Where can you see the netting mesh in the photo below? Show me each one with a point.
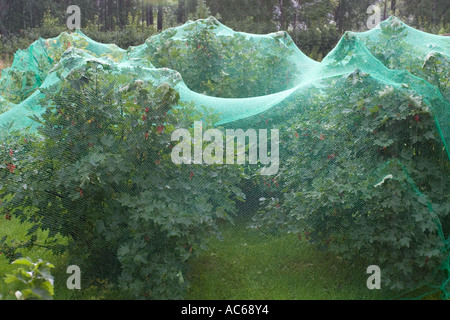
(363, 162)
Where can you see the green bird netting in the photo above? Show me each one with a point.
(349, 154)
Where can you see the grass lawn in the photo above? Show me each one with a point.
(251, 265)
(247, 264)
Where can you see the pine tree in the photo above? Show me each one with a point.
(202, 11)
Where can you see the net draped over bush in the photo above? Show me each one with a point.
(364, 159)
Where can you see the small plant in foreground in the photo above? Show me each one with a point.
(35, 276)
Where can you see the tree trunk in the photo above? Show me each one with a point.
(31, 14)
(111, 14)
(180, 11)
(3, 10)
(160, 17)
(295, 20)
(434, 12)
(149, 15)
(143, 14)
(121, 12)
(128, 7)
(393, 6)
(280, 3)
(385, 10)
(105, 15)
(23, 16)
(338, 16)
(294, 26)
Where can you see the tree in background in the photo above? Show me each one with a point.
(430, 15)
(316, 26)
(202, 11)
(259, 16)
(4, 6)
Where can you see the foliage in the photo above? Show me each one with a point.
(426, 15)
(11, 249)
(24, 21)
(202, 11)
(250, 24)
(228, 67)
(24, 77)
(436, 70)
(253, 16)
(29, 14)
(51, 25)
(36, 278)
(316, 42)
(141, 216)
(397, 53)
(130, 34)
(394, 35)
(365, 176)
(4, 105)
(18, 85)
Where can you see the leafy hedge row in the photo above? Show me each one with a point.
(227, 67)
(365, 175)
(363, 170)
(102, 175)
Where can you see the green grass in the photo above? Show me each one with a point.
(247, 264)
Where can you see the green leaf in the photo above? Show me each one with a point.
(10, 278)
(374, 109)
(25, 262)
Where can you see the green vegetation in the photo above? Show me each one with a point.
(127, 202)
(243, 265)
(226, 67)
(87, 175)
(35, 277)
(315, 26)
(16, 233)
(246, 265)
